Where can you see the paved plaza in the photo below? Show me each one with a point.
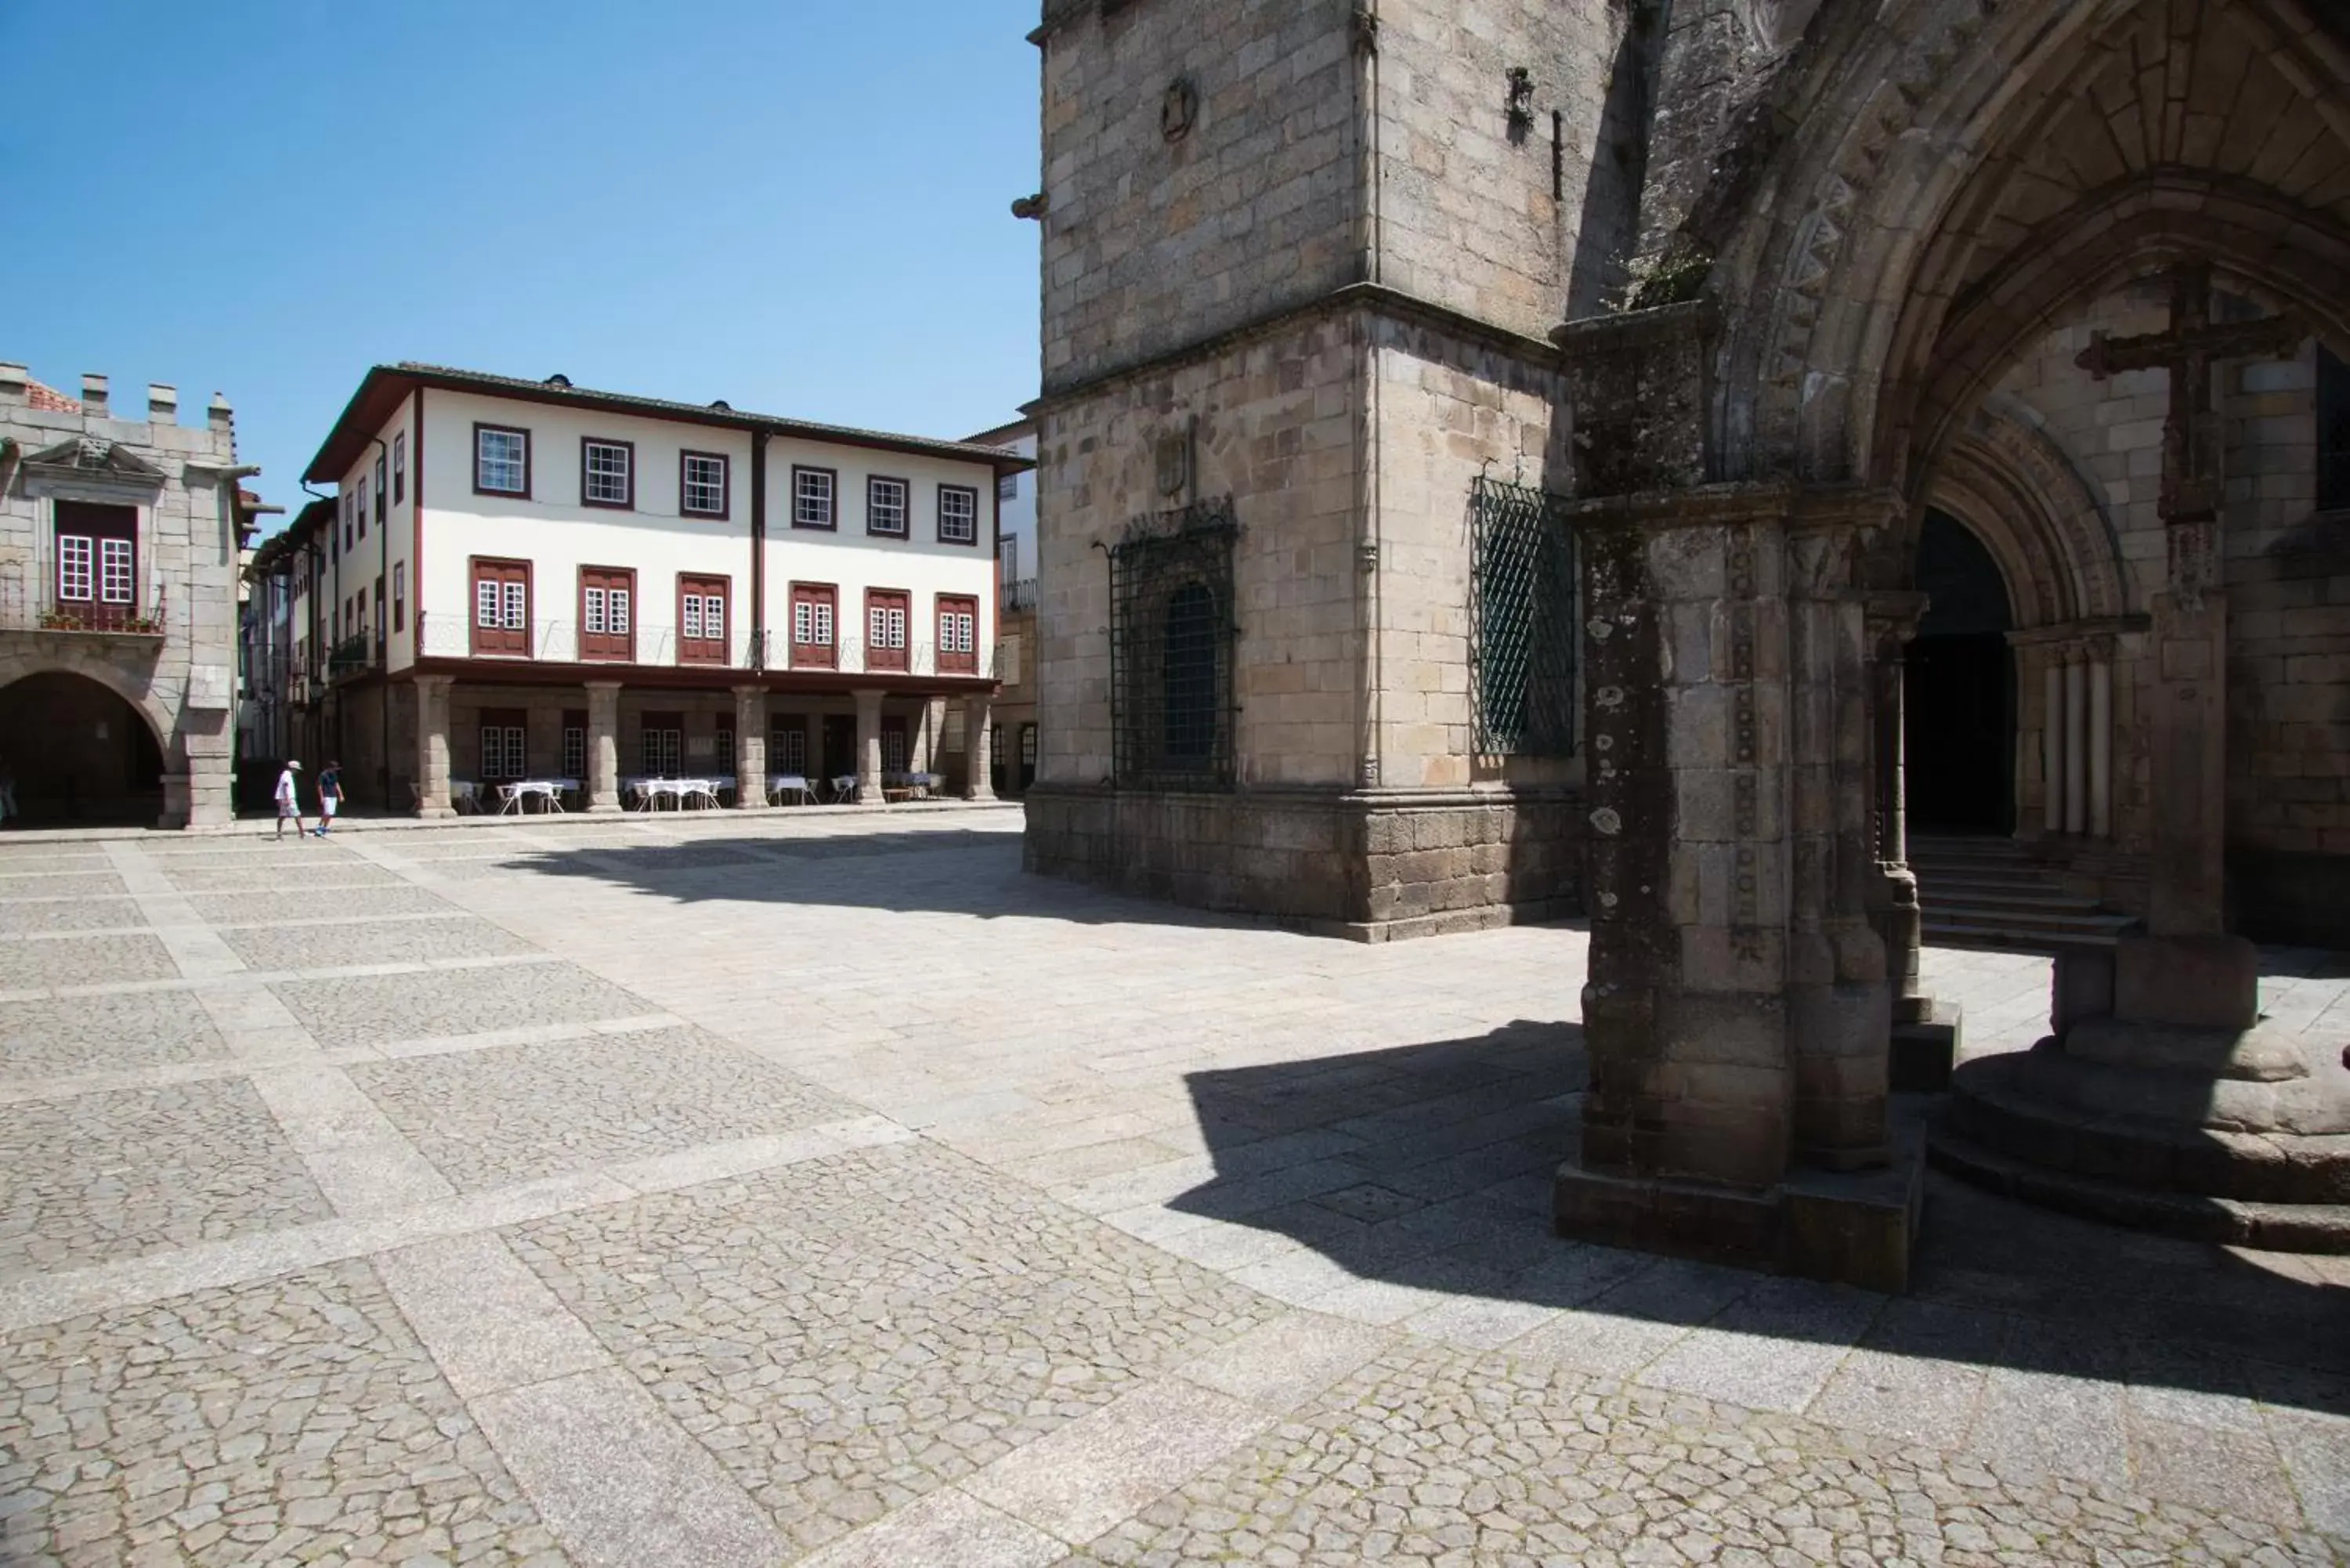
(818, 1187)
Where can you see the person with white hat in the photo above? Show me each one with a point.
(290, 799)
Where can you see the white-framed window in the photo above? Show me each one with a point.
(958, 626)
(1007, 487)
(662, 751)
(815, 497)
(115, 582)
(958, 514)
(812, 622)
(702, 484)
(504, 755)
(501, 461)
(787, 750)
(606, 472)
(76, 579)
(606, 611)
(886, 502)
(888, 627)
(363, 506)
(574, 751)
(704, 617)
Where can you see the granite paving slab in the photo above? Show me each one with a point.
(368, 1010)
(318, 903)
(105, 1034)
(1429, 1456)
(30, 962)
(506, 1113)
(371, 942)
(128, 1172)
(856, 1331)
(295, 1421)
(62, 885)
(27, 918)
(246, 879)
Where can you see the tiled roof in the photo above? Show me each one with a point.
(50, 399)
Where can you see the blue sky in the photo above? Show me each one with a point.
(801, 207)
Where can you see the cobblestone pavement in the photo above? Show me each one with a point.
(815, 1186)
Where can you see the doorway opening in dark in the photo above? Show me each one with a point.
(1960, 693)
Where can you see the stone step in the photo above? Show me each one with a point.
(2223, 1221)
(2029, 914)
(2009, 938)
(1951, 895)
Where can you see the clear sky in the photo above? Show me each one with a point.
(799, 206)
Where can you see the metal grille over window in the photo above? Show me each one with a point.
(1171, 636)
(1522, 615)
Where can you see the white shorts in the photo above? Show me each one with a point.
(327, 808)
(287, 808)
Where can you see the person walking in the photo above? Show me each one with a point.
(289, 798)
(330, 796)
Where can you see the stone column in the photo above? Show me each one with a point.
(2052, 741)
(2101, 739)
(978, 749)
(433, 746)
(209, 741)
(2076, 740)
(2190, 766)
(1892, 624)
(868, 747)
(603, 746)
(750, 757)
(934, 741)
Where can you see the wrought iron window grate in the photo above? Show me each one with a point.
(1522, 611)
(1171, 635)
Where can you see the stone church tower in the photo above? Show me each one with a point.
(1301, 263)
(1509, 456)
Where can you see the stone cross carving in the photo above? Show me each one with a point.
(2192, 435)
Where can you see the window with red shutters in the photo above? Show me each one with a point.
(608, 614)
(813, 646)
(501, 609)
(885, 614)
(958, 635)
(702, 617)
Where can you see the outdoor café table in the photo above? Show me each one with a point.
(465, 795)
(679, 792)
(844, 788)
(782, 784)
(549, 792)
(906, 786)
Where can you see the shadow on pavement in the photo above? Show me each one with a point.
(1429, 1167)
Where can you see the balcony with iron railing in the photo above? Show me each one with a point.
(1019, 595)
(657, 645)
(81, 617)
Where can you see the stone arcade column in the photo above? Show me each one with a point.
(433, 746)
(2052, 730)
(1737, 1011)
(1925, 1034)
(603, 746)
(868, 747)
(978, 748)
(750, 747)
(2101, 738)
(2076, 740)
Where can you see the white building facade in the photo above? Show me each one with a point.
(528, 580)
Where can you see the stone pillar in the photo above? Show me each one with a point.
(750, 757)
(2076, 740)
(210, 742)
(433, 746)
(2190, 766)
(978, 748)
(2101, 739)
(934, 739)
(1892, 623)
(868, 747)
(603, 746)
(2052, 741)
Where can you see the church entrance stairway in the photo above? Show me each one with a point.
(1987, 891)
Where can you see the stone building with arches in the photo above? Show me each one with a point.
(119, 559)
(1866, 355)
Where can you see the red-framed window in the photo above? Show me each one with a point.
(815, 497)
(608, 613)
(399, 596)
(813, 607)
(608, 472)
(506, 752)
(702, 619)
(702, 484)
(886, 611)
(958, 635)
(98, 558)
(501, 608)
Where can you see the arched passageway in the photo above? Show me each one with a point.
(1961, 700)
(80, 753)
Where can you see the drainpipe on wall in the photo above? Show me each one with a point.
(1371, 663)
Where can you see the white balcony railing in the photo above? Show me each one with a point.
(558, 642)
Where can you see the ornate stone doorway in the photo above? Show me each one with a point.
(78, 753)
(1960, 687)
